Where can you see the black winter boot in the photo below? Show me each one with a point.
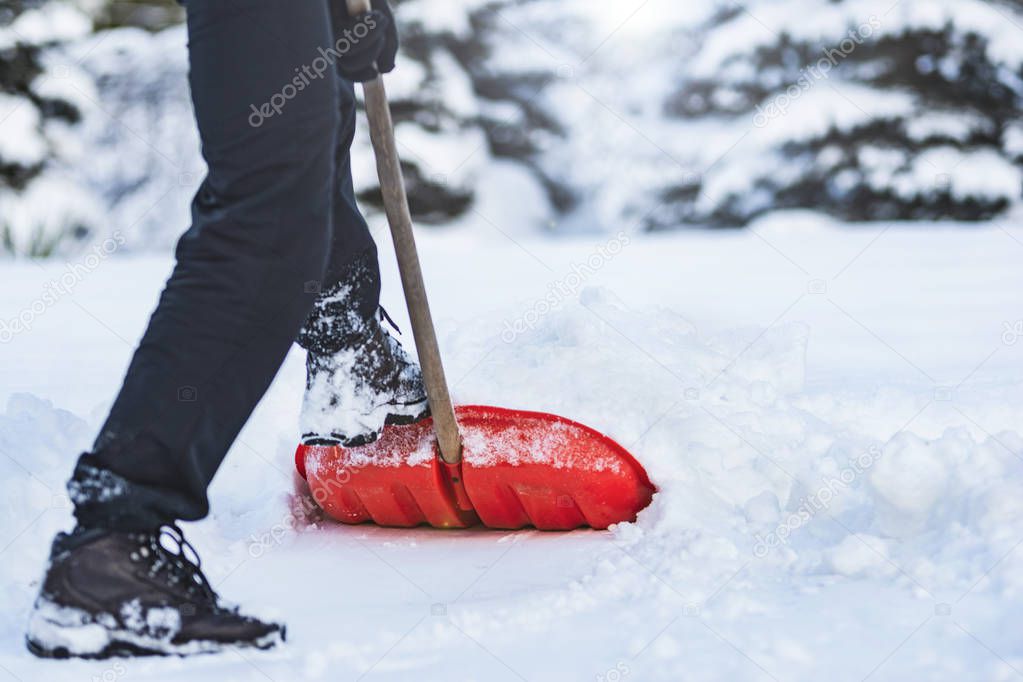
(111, 593)
(353, 393)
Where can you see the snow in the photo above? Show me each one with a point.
(53, 21)
(54, 204)
(763, 21)
(981, 173)
(552, 445)
(955, 126)
(55, 208)
(444, 155)
(21, 141)
(139, 132)
(442, 15)
(831, 414)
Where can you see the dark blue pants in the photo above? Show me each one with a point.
(274, 227)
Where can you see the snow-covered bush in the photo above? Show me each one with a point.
(43, 208)
(658, 113)
(437, 116)
(144, 151)
(556, 114)
(868, 110)
(152, 15)
(144, 154)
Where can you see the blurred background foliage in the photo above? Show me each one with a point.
(152, 15)
(551, 115)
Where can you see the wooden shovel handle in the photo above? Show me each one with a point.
(358, 7)
(392, 186)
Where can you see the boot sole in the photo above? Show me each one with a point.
(124, 644)
(421, 412)
(120, 649)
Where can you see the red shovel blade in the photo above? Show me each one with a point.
(519, 469)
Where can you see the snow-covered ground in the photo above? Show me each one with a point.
(832, 415)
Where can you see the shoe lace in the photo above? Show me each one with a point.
(182, 565)
(384, 317)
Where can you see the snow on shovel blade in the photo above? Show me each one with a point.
(519, 469)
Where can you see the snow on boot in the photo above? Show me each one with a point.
(352, 394)
(109, 593)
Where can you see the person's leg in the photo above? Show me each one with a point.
(262, 223)
(125, 581)
(359, 378)
(350, 289)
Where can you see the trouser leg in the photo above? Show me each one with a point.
(350, 291)
(261, 233)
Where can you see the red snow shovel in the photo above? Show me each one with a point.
(472, 464)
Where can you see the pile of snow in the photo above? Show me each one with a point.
(820, 500)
